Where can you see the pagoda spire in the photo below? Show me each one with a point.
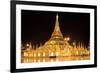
(57, 31)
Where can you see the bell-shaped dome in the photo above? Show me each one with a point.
(56, 37)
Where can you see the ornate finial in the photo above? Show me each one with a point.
(57, 17)
(57, 31)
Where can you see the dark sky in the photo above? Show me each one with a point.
(37, 26)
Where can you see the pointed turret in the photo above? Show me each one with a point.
(30, 45)
(56, 37)
(57, 32)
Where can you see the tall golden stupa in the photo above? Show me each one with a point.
(57, 48)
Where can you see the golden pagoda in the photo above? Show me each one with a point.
(55, 49)
(56, 37)
(56, 43)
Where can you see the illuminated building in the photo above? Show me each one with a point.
(57, 48)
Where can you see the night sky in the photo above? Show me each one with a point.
(37, 26)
